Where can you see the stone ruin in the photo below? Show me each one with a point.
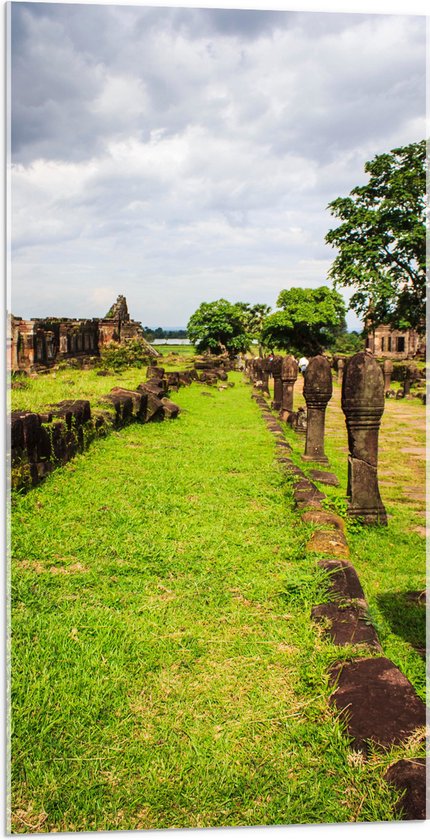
(363, 398)
(43, 342)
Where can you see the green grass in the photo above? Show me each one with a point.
(165, 669)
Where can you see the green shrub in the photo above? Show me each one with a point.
(119, 356)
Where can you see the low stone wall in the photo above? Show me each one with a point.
(41, 442)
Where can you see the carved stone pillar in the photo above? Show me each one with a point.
(340, 370)
(289, 373)
(277, 383)
(265, 367)
(317, 391)
(388, 370)
(363, 406)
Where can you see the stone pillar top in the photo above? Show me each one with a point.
(318, 386)
(388, 366)
(363, 385)
(289, 368)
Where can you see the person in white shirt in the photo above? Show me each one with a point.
(303, 363)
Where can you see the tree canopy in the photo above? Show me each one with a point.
(220, 326)
(308, 321)
(381, 240)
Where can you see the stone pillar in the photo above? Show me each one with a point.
(277, 383)
(363, 406)
(265, 372)
(289, 373)
(317, 391)
(388, 370)
(63, 341)
(340, 369)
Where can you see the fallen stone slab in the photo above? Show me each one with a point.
(347, 623)
(306, 494)
(332, 543)
(377, 702)
(344, 581)
(73, 411)
(323, 517)
(138, 398)
(324, 477)
(409, 776)
(171, 410)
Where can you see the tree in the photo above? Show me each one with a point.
(381, 240)
(219, 326)
(254, 319)
(308, 321)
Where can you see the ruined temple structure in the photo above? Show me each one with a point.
(387, 343)
(43, 342)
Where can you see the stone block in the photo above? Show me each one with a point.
(409, 776)
(376, 701)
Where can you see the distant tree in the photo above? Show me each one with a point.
(348, 343)
(219, 326)
(254, 318)
(382, 240)
(308, 321)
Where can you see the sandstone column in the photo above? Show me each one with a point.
(289, 373)
(388, 370)
(277, 383)
(340, 370)
(265, 370)
(317, 391)
(363, 406)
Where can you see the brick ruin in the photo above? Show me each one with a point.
(385, 342)
(43, 342)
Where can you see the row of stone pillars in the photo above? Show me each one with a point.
(363, 392)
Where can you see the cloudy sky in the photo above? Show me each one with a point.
(177, 155)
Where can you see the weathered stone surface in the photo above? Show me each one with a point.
(332, 543)
(377, 702)
(289, 373)
(340, 370)
(154, 371)
(363, 406)
(409, 776)
(139, 400)
(323, 517)
(123, 405)
(152, 388)
(154, 409)
(344, 582)
(277, 383)
(306, 494)
(317, 391)
(348, 623)
(388, 368)
(298, 420)
(74, 412)
(324, 477)
(171, 410)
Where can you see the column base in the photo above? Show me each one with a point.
(319, 459)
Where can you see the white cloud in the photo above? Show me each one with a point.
(194, 151)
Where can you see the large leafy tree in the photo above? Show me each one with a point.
(381, 240)
(220, 326)
(308, 320)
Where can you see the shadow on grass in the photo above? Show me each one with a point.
(406, 615)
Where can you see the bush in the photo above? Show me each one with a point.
(115, 356)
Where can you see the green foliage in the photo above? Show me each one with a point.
(220, 326)
(348, 343)
(308, 322)
(381, 239)
(119, 356)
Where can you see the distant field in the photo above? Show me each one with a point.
(185, 350)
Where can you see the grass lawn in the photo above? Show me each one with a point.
(165, 671)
